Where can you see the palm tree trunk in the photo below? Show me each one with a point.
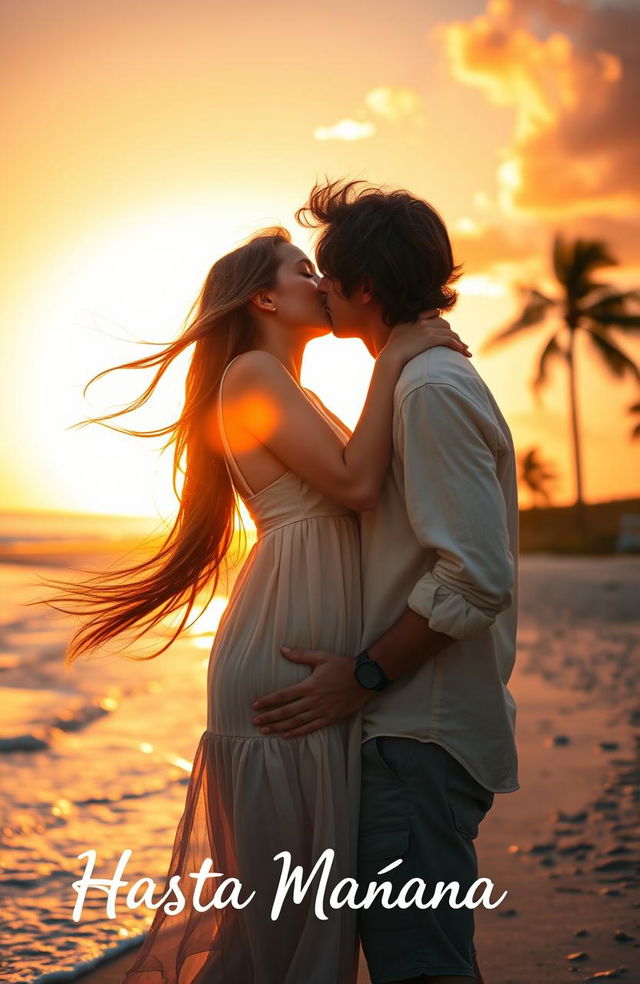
(575, 431)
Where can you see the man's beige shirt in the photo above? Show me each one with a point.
(443, 540)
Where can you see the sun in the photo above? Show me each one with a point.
(131, 280)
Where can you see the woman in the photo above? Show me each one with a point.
(247, 425)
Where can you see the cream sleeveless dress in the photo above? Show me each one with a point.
(252, 796)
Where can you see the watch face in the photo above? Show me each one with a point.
(368, 675)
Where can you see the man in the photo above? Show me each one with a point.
(439, 579)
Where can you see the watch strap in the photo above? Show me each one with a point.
(383, 680)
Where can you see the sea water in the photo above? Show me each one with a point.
(97, 755)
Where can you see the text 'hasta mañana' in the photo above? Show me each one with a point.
(230, 890)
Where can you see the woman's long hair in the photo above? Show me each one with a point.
(220, 326)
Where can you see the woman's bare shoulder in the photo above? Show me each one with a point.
(253, 368)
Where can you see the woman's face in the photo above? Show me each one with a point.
(298, 302)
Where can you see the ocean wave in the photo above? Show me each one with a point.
(58, 976)
(23, 743)
(76, 716)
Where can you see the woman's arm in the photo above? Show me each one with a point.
(264, 405)
(325, 409)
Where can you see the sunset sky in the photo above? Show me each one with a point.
(143, 139)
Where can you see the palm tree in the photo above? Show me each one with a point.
(596, 310)
(537, 475)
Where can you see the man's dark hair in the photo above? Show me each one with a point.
(396, 241)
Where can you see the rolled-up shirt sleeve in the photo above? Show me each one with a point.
(449, 447)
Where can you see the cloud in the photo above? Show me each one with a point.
(394, 103)
(575, 93)
(519, 248)
(345, 130)
(390, 104)
(481, 248)
(622, 233)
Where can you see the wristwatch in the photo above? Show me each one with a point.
(370, 674)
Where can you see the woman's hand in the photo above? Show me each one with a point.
(411, 338)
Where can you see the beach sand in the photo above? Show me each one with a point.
(566, 846)
(554, 891)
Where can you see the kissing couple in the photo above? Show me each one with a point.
(357, 685)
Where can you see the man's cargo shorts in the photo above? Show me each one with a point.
(419, 804)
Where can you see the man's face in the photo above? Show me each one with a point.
(349, 315)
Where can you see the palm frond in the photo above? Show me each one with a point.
(561, 258)
(551, 351)
(590, 255)
(616, 361)
(535, 310)
(606, 298)
(575, 262)
(535, 473)
(624, 322)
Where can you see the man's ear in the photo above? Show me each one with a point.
(263, 300)
(366, 291)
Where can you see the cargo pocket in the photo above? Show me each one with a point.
(394, 755)
(377, 849)
(469, 802)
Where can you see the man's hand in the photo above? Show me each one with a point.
(328, 695)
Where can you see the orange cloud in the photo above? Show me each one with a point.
(480, 248)
(571, 152)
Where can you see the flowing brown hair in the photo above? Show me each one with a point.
(221, 327)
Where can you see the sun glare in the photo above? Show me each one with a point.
(133, 280)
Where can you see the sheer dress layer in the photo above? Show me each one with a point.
(251, 796)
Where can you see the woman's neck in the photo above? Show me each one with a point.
(290, 357)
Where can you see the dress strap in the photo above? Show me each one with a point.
(320, 407)
(238, 478)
